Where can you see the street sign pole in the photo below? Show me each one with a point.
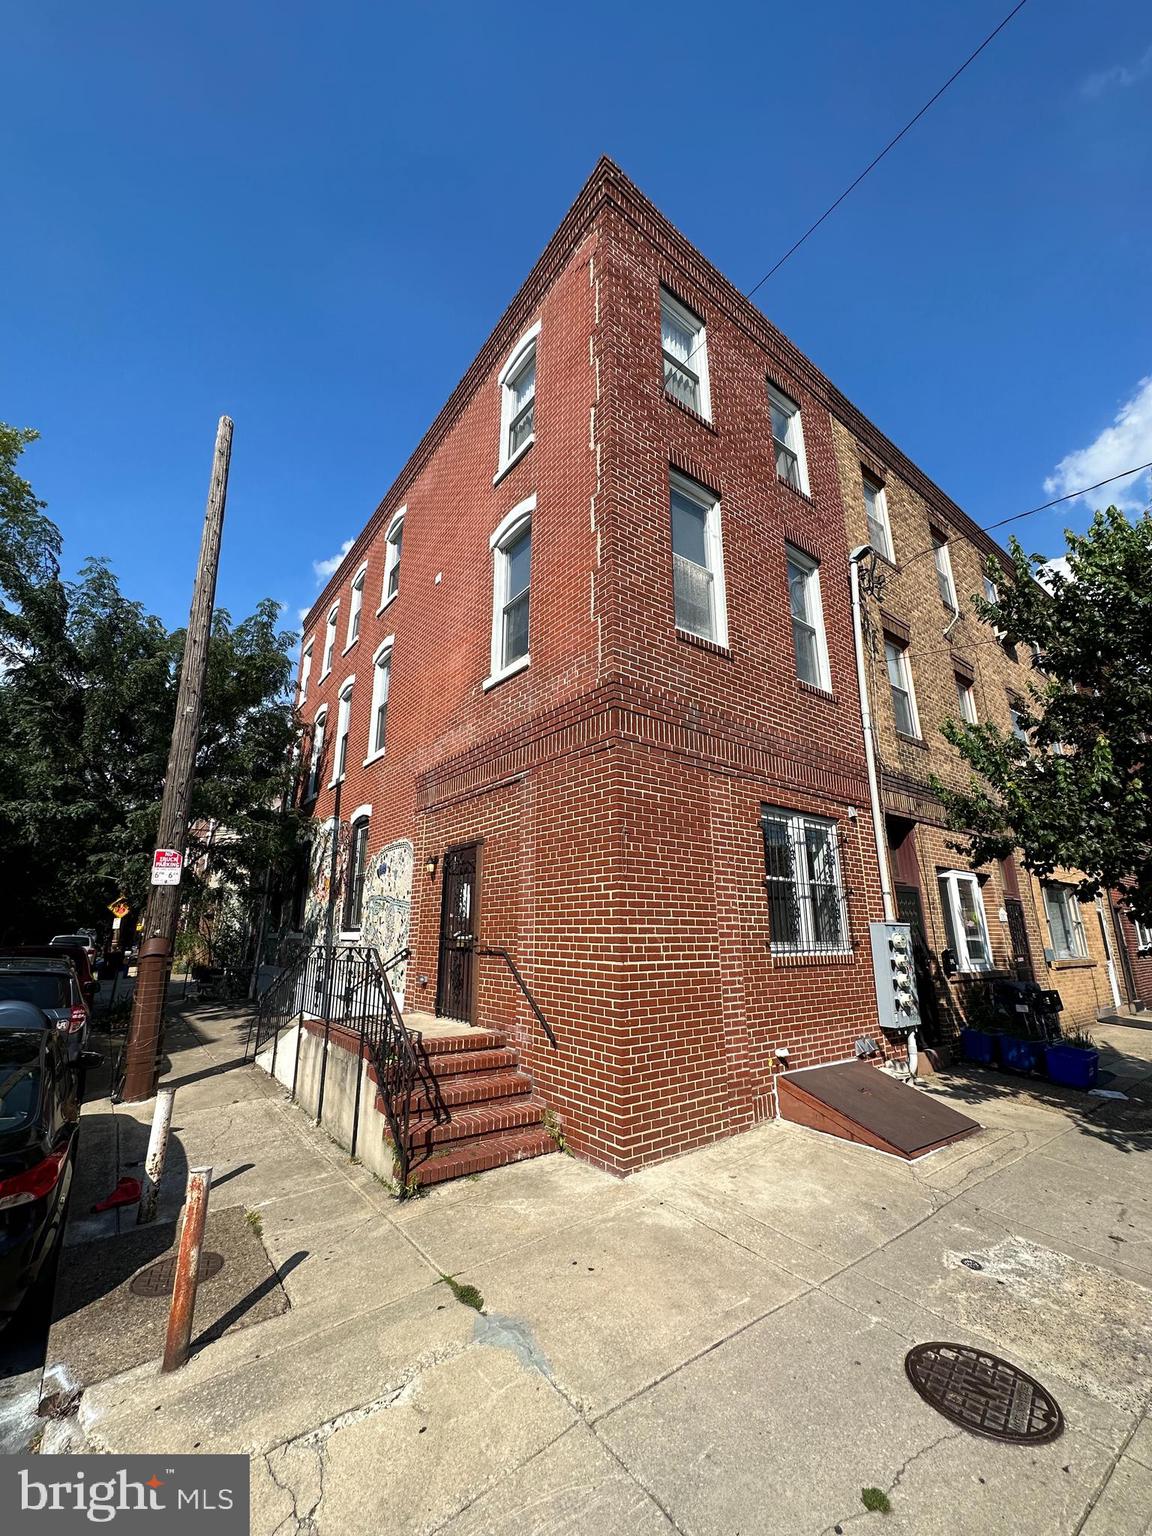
(142, 1051)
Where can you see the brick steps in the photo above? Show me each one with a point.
(458, 1159)
(474, 1087)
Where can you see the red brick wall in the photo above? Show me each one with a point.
(1135, 976)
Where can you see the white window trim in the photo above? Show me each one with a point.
(1066, 896)
(811, 567)
(688, 318)
(909, 685)
(386, 646)
(806, 943)
(966, 690)
(1143, 936)
(953, 878)
(714, 542)
(352, 935)
(345, 688)
(391, 559)
(355, 606)
(509, 527)
(312, 783)
(944, 568)
(328, 654)
(791, 409)
(881, 499)
(306, 658)
(505, 460)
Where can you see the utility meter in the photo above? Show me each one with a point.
(895, 974)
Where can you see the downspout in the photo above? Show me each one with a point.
(862, 552)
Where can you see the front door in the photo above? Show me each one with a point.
(1021, 957)
(460, 886)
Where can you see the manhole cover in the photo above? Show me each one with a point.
(984, 1394)
(158, 1279)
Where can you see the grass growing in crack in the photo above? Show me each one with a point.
(556, 1130)
(466, 1295)
(876, 1499)
(253, 1220)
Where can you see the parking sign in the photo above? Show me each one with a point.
(166, 866)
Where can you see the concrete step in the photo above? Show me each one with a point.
(475, 1088)
(459, 1159)
(471, 1121)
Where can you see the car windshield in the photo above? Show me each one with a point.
(47, 989)
(19, 1079)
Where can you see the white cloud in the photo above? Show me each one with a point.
(1060, 564)
(1119, 77)
(325, 568)
(1127, 441)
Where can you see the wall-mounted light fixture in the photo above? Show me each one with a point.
(430, 866)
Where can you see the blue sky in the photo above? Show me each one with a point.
(310, 217)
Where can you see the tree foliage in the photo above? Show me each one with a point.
(87, 699)
(1075, 794)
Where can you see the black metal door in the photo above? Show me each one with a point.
(1021, 958)
(910, 910)
(457, 933)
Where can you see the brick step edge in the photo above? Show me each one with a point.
(475, 1088)
(467, 1124)
(460, 1063)
(458, 1160)
(447, 1045)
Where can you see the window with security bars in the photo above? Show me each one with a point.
(1065, 923)
(697, 560)
(788, 440)
(876, 508)
(682, 338)
(807, 912)
(354, 878)
(807, 619)
(900, 684)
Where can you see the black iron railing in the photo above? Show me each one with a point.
(491, 949)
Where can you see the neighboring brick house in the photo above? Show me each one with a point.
(1134, 947)
(563, 709)
(933, 660)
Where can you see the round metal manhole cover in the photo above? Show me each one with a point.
(158, 1279)
(984, 1394)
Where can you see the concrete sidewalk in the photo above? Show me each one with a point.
(713, 1346)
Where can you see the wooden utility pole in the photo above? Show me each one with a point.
(142, 1051)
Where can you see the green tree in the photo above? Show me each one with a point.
(87, 699)
(1075, 793)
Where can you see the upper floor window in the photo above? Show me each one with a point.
(806, 907)
(1019, 718)
(356, 870)
(685, 348)
(381, 681)
(788, 440)
(697, 561)
(807, 619)
(316, 758)
(518, 401)
(1065, 923)
(1143, 936)
(991, 590)
(305, 671)
(343, 726)
(330, 639)
(393, 543)
(511, 546)
(900, 682)
(965, 920)
(879, 528)
(966, 698)
(355, 606)
(944, 580)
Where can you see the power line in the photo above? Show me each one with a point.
(1071, 496)
(892, 143)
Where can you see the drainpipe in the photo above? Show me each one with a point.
(858, 555)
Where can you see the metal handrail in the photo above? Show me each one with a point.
(493, 949)
(271, 1012)
(401, 1068)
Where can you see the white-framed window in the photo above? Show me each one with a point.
(900, 682)
(966, 698)
(305, 671)
(807, 619)
(330, 639)
(991, 590)
(1017, 716)
(684, 342)
(316, 759)
(343, 728)
(944, 579)
(518, 401)
(511, 547)
(381, 682)
(788, 440)
(965, 919)
(879, 528)
(355, 606)
(807, 912)
(1143, 936)
(1065, 923)
(697, 560)
(393, 544)
(354, 873)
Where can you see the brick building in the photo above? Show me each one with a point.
(583, 691)
(1134, 949)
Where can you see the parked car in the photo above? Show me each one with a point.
(85, 937)
(39, 1115)
(77, 953)
(54, 987)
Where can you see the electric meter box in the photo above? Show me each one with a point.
(892, 965)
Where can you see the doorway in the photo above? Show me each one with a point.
(1021, 957)
(459, 904)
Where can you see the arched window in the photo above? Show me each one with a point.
(518, 401)
(317, 752)
(393, 544)
(354, 881)
(343, 725)
(355, 606)
(511, 546)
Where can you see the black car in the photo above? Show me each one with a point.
(39, 1114)
(53, 987)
